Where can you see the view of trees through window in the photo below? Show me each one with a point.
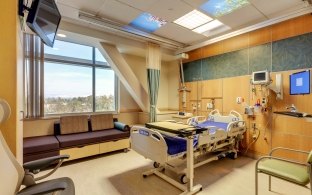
(75, 87)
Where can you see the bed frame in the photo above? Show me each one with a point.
(213, 143)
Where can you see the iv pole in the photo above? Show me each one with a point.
(183, 88)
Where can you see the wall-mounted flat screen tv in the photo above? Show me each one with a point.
(299, 83)
(44, 18)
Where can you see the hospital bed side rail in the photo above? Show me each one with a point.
(149, 143)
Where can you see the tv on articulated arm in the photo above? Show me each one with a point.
(299, 83)
(44, 19)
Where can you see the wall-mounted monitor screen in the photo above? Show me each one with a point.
(299, 83)
(260, 78)
(44, 18)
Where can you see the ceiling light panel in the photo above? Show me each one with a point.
(219, 8)
(193, 19)
(209, 26)
(147, 22)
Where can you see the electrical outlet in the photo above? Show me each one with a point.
(209, 106)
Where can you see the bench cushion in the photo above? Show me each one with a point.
(80, 139)
(74, 124)
(36, 156)
(102, 122)
(40, 144)
(285, 170)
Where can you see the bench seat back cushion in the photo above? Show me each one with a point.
(74, 124)
(102, 122)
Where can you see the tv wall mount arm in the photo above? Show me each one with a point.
(22, 7)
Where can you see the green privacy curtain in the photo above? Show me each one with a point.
(153, 74)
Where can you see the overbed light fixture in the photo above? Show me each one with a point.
(147, 22)
(193, 19)
(209, 26)
(219, 8)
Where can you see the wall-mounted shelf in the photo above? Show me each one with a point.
(295, 114)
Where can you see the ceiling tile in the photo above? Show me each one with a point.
(277, 7)
(90, 6)
(169, 10)
(113, 9)
(242, 16)
(195, 3)
(67, 11)
(178, 33)
(142, 5)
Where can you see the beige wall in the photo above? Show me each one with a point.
(173, 85)
(10, 55)
(127, 103)
(168, 97)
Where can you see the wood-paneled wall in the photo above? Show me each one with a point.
(290, 28)
(275, 130)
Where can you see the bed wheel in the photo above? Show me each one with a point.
(183, 179)
(156, 165)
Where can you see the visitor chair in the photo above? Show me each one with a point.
(15, 179)
(288, 170)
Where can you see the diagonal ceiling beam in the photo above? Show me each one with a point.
(125, 74)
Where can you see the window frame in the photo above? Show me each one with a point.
(70, 61)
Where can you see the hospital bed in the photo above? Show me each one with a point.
(182, 148)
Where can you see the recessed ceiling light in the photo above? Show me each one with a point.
(219, 8)
(193, 19)
(147, 22)
(61, 35)
(209, 26)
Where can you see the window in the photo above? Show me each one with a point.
(77, 79)
(67, 88)
(104, 90)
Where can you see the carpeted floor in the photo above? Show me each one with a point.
(121, 173)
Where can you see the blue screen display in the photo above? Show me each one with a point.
(300, 83)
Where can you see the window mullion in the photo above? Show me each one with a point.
(93, 79)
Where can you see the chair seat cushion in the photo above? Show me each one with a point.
(40, 144)
(48, 186)
(79, 139)
(285, 170)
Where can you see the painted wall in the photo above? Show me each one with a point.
(10, 55)
(173, 85)
(168, 85)
(127, 103)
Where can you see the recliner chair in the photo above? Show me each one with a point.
(13, 175)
